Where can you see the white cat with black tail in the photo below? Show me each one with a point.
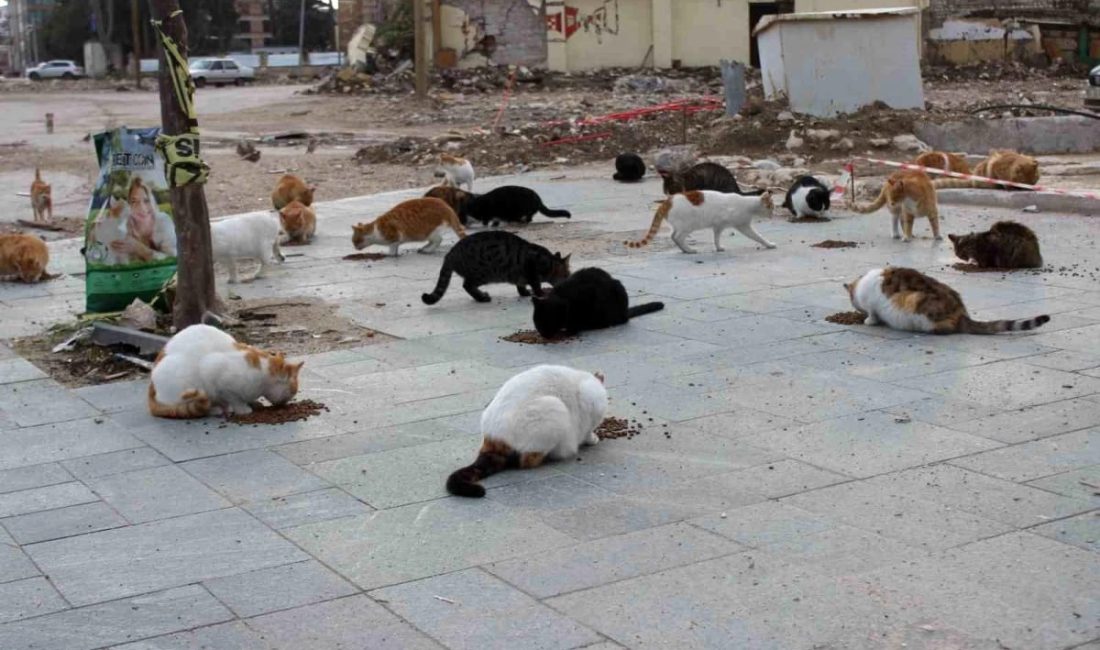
(808, 197)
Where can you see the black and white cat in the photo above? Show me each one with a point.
(511, 203)
(589, 299)
(808, 197)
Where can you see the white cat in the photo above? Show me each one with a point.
(708, 210)
(254, 236)
(456, 171)
(202, 367)
(544, 412)
(109, 226)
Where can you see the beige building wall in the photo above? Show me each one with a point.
(704, 32)
(608, 33)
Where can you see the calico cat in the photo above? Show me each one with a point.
(908, 194)
(41, 198)
(498, 256)
(454, 197)
(547, 412)
(25, 256)
(590, 299)
(1007, 245)
(299, 222)
(908, 300)
(1001, 165)
(412, 220)
(291, 188)
(456, 171)
(951, 162)
(704, 176)
(202, 367)
(629, 168)
(807, 197)
(708, 210)
(253, 236)
(511, 203)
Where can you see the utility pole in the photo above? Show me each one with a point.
(135, 27)
(195, 269)
(302, 35)
(421, 48)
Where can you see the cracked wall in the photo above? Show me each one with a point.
(518, 27)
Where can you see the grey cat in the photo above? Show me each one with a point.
(498, 256)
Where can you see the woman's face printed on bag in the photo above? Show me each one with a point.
(142, 215)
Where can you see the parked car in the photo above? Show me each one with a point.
(1092, 93)
(56, 69)
(220, 72)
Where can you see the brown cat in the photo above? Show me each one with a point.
(291, 188)
(908, 194)
(412, 220)
(23, 255)
(1001, 165)
(299, 222)
(951, 162)
(41, 198)
(1007, 245)
(454, 197)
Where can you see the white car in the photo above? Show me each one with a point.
(56, 69)
(220, 72)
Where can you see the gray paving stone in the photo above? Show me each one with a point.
(54, 442)
(253, 476)
(62, 522)
(1082, 483)
(1006, 384)
(773, 480)
(117, 396)
(307, 508)
(427, 382)
(116, 622)
(924, 636)
(24, 478)
(353, 622)
(1030, 423)
(369, 441)
(1080, 338)
(841, 551)
(742, 422)
(14, 564)
(891, 360)
(942, 412)
(1082, 530)
(27, 598)
(41, 401)
(277, 588)
(15, 370)
(115, 462)
(44, 498)
(155, 493)
(611, 559)
(483, 612)
(1069, 360)
(765, 523)
(1032, 460)
(127, 561)
(228, 636)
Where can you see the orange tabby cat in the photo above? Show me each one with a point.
(951, 162)
(291, 188)
(299, 222)
(41, 198)
(908, 194)
(23, 255)
(1001, 165)
(412, 220)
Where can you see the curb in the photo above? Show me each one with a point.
(1020, 200)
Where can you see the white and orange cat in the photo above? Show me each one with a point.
(952, 162)
(202, 369)
(547, 412)
(908, 195)
(456, 171)
(708, 210)
(24, 256)
(41, 198)
(291, 188)
(1000, 165)
(246, 236)
(299, 222)
(424, 219)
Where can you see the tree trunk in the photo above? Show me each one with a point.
(195, 275)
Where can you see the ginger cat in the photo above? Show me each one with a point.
(908, 194)
(291, 188)
(41, 198)
(456, 171)
(1001, 165)
(299, 222)
(951, 162)
(413, 220)
(23, 255)
(708, 210)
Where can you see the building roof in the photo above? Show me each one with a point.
(848, 14)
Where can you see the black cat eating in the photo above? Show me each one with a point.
(589, 299)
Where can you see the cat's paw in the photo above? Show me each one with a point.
(897, 236)
(938, 238)
(770, 246)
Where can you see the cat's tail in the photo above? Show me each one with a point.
(193, 404)
(553, 213)
(658, 217)
(494, 456)
(37, 175)
(879, 202)
(642, 310)
(752, 192)
(969, 326)
(440, 286)
(455, 223)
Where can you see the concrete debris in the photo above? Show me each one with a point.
(909, 142)
(794, 142)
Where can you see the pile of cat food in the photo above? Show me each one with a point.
(612, 428)
(809, 219)
(531, 337)
(847, 318)
(290, 412)
(834, 243)
(367, 257)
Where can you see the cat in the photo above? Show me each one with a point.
(908, 195)
(1007, 245)
(951, 162)
(807, 197)
(629, 168)
(1000, 165)
(454, 197)
(705, 209)
(547, 412)
(299, 222)
(498, 256)
(202, 367)
(24, 256)
(109, 226)
(704, 176)
(511, 203)
(41, 198)
(456, 171)
(589, 299)
(253, 236)
(291, 188)
(413, 220)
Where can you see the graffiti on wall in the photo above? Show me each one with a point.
(604, 19)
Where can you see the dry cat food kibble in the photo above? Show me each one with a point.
(847, 318)
(369, 257)
(834, 243)
(531, 337)
(613, 427)
(291, 412)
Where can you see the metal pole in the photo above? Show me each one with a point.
(419, 50)
(302, 35)
(135, 26)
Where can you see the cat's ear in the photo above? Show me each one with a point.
(954, 238)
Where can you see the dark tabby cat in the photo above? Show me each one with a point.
(454, 197)
(497, 256)
(511, 203)
(705, 176)
(629, 168)
(1007, 245)
(590, 299)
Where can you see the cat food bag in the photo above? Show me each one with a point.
(129, 236)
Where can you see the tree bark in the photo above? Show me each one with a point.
(195, 272)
